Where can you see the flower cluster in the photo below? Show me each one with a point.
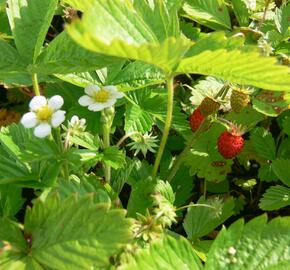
(44, 114)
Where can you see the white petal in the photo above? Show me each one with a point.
(29, 120)
(111, 88)
(57, 118)
(114, 91)
(91, 89)
(55, 102)
(37, 102)
(97, 107)
(74, 120)
(42, 130)
(118, 94)
(83, 121)
(110, 102)
(85, 101)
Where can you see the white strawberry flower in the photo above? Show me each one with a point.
(44, 114)
(98, 98)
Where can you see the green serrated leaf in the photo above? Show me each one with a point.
(263, 143)
(29, 21)
(248, 118)
(114, 157)
(153, 102)
(10, 60)
(255, 245)
(270, 103)
(80, 79)
(141, 199)
(275, 198)
(213, 14)
(286, 124)
(19, 262)
(40, 149)
(10, 200)
(204, 158)
(241, 12)
(168, 253)
(91, 232)
(137, 75)
(137, 119)
(245, 68)
(14, 172)
(10, 232)
(87, 185)
(200, 221)
(280, 167)
(182, 185)
(233, 62)
(282, 20)
(266, 173)
(64, 56)
(146, 31)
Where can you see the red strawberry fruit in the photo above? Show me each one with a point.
(230, 144)
(196, 119)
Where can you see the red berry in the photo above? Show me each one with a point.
(196, 119)
(230, 145)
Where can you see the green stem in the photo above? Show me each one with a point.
(195, 205)
(35, 84)
(267, 3)
(127, 136)
(107, 119)
(186, 150)
(167, 125)
(57, 136)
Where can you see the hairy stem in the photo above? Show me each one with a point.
(195, 205)
(35, 84)
(170, 90)
(127, 136)
(267, 3)
(65, 170)
(107, 119)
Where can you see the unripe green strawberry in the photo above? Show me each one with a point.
(209, 106)
(230, 144)
(196, 119)
(239, 99)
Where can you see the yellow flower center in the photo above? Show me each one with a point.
(101, 96)
(44, 113)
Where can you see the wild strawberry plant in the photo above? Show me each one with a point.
(132, 130)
